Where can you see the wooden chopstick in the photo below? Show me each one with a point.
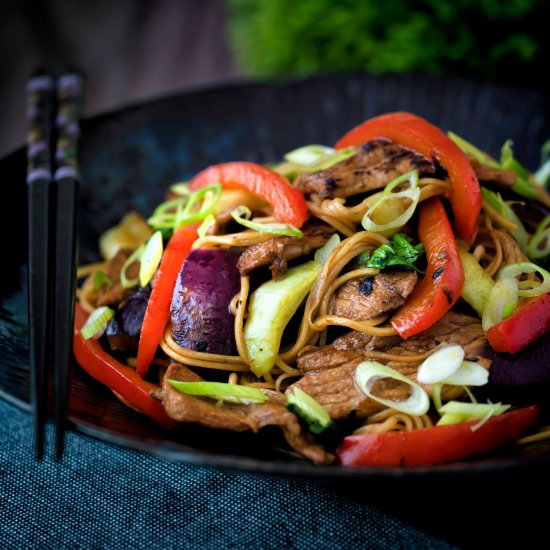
(39, 114)
(69, 98)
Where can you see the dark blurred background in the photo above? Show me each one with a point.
(131, 50)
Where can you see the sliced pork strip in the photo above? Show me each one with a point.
(373, 167)
(238, 418)
(278, 251)
(367, 297)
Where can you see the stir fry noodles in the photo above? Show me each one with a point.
(358, 297)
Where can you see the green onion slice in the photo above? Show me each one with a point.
(232, 393)
(312, 158)
(468, 374)
(502, 301)
(412, 193)
(242, 215)
(506, 211)
(523, 185)
(526, 288)
(308, 409)
(308, 154)
(455, 412)
(134, 257)
(539, 245)
(101, 278)
(205, 225)
(542, 175)
(186, 209)
(97, 322)
(181, 189)
(323, 253)
(441, 364)
(150, 258)
(472, 150)
(368, 372)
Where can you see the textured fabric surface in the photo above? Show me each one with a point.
(100, 496)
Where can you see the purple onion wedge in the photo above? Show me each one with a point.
(206, 284)
(528, 366)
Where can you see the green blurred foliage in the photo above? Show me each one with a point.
(505, 40)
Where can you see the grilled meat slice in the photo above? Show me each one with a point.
(238, 418)
(329, 370)
(336, 391)
(376, 163)
(368, 297)
(277, 252)
(498, 177)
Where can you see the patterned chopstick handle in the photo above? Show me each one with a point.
(69, 106)
(39, 113)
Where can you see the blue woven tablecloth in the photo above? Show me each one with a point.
(101, 496)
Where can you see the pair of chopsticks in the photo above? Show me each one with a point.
(53, 110)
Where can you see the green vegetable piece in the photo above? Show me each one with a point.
(101, 278)
(271, 307)
(233, 393)
(314, 414)
(399, 251)
(505, 210)
(523, 185)
(478, 284)
(150, 258)
(242, 215)
(472, 150)
(97, 322)
(455, 412)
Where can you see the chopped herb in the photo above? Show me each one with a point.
(399, 251)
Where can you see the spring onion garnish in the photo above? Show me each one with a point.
(441, 364)
(302, 404)
(472, 150)
(97, 322)
(150, 258)
(308, 154)
(502, 301)
(369, 372)
(539, 245)
(505, 210)
(312, 158)
(542, 175)
(322, 254)
(527, 288)
(386, 201)
(134, 257)
(455, 412)
(181, 189)
(468, 374)
(523, 186)
(186, 209)
(242, 215)
(101, 278)
(232, 393)
(205, 225)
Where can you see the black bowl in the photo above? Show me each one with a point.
(129, 157)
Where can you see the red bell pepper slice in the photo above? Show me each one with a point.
(120, 378)
(525, 325)
(428, 446)
(444, 279)
(289, 205)
(158, 306)
(418, 134)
